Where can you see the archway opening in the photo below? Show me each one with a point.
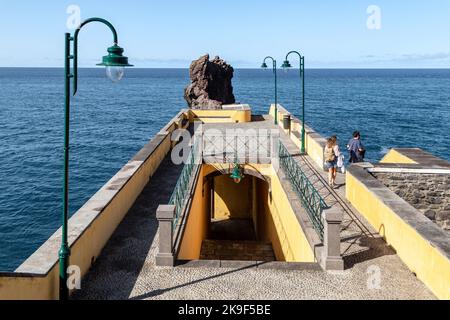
(235, 218)
(223, 215)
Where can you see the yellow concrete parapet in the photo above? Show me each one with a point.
(414, 158)
(420, 244)
(228, 113)
(180, 121)
(314, 142)
(91, 226)
(394, 156)
(16, 286)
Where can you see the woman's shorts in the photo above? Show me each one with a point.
(331, 164)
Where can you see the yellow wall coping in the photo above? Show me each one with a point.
(283, 111)
(414, 156)
(241, 107)
(175, 122)
(229, 113)
(42, 260)
(396, 156)
(314, 142)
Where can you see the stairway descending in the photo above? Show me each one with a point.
(237, 250)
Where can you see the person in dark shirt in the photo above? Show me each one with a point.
(356, 148)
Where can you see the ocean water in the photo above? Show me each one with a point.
(111, 122)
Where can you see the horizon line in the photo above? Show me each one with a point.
(247, 68)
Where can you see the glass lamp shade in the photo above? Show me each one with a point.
(115, 63)
(115, 74)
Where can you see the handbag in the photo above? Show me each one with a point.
(340, 162)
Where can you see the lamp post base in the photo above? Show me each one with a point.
(64, 254)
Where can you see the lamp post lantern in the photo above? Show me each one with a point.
(114, 63)
(286, 65)
(236, 173)
(274, 64)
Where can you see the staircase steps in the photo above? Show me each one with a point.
(237, 250)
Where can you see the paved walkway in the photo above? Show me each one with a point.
(118, 268)
(126, 268)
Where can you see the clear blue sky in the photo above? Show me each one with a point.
(171, 33)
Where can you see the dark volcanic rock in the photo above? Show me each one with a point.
(210, 86)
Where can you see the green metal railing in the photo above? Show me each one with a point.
(179, 196)
(308, 194)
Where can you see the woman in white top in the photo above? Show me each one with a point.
(337, 154)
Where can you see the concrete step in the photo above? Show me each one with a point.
(237, 250)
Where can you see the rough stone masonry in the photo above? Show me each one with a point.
(210, 86)
(429, 193)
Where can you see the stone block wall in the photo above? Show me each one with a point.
(429, 193)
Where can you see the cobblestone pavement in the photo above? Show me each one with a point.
(126, 268)
(109, 281)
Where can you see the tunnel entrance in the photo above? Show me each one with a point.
(232, 229)
(252, 220)
(234, 214)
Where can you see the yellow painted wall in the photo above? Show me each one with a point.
(231, 200)
(393, 156)
(430, 265)
(276, 219)
(315, 151)
(197, 222)
(217, 116)
(29, 288)
(270, 229)
(278, 223)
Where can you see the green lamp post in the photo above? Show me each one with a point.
(114, 63)
(274, 64)
(286, 65)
